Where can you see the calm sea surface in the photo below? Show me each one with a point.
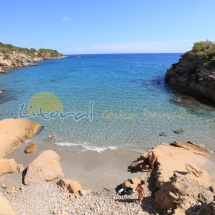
(106, 101)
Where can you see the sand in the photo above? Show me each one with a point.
(91, 169)
(101, 172)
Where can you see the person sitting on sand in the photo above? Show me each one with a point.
(140, 190)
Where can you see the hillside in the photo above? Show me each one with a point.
(195, 71)
(13, 56)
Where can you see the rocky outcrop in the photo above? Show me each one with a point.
(14, 132)
(5, 207)
(31, 148)
(70, 185)
(181, 178)
(15, 59)
(179, 158)
(182, 191)
(12, 56)
(191, 75)
(7, 166)
(45, 167)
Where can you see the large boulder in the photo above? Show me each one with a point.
(5, 207)
(45, 167)
(14, 132)
(180, 158)
(181, 176)
(7, 166)
(182, 190)
(72, 186)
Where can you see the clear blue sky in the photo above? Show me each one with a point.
(107, 26)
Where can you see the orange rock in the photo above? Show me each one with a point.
(45, 167)
(127, 184)
(14, 132)
(72, 186)
(5, 207)
(31, 148)
(7, 166)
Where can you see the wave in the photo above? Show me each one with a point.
(86, 147)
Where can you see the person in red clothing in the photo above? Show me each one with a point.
(149, 160)
(140, 190)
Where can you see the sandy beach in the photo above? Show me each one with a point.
(101, 172)
(91, 169)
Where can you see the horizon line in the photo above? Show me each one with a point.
(127, 53)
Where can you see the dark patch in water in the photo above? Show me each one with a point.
(59, 79)
(17, 81)
(6, 98)
(182, 98)
(194, 102)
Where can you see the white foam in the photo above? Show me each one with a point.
(86, 147)
(27, 141)
(67, 144)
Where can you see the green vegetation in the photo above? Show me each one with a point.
(206, 51)
(53, 53)
(8, 48)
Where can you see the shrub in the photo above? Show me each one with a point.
(205, 50)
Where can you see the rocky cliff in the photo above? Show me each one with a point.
(195, 71)
(12, 56)
(184, 178)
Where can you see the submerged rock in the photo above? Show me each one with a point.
(52, 137)
(180, 131)
(162, 134)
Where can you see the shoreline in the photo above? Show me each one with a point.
(8, 69)
(93, 170)
(99, 173)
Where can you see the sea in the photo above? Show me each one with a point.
(105, 102)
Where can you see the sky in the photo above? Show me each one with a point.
(107, 26)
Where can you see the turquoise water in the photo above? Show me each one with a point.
(129, 108)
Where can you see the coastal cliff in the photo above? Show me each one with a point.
(13, 57)
(195, 71)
